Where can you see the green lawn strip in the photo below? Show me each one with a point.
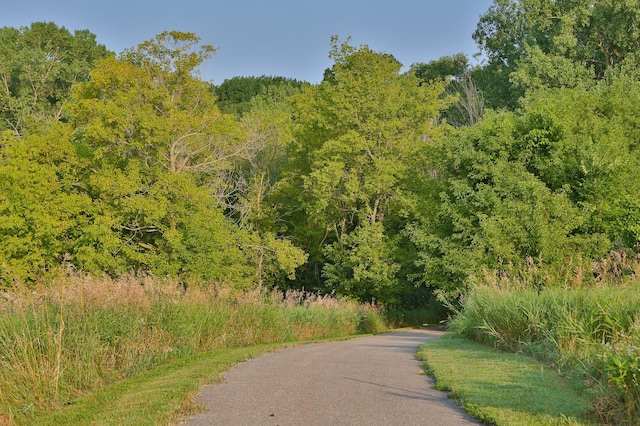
(503, 388)
(156, 397)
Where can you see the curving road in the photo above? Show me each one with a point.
(372, 380)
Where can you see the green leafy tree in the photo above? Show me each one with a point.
(494, 211)
(235, 94)
(268, 124)
(597, 156)
(553, 43)
(359, 136)
(38, 66)
(149, 107)
(269, 128)
(501, 35)
(543, 185)
(45, 216)
(447, 67)
(455, 71)
(162, 159)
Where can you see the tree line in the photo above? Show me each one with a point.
(376, 184)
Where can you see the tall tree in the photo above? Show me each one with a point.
(553, 43)
(163, 157)
(358, 143)
(38, 66)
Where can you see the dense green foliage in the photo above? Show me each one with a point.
(235, 94)
(546, 184)
(454, 70)
(560, 43)
(375, 184)
(136, 178)
(38, 66)
(354, 170)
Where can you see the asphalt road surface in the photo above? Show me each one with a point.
(372, 380)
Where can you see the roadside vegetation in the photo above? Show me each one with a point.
(503, 389)
(63, 341)
(507, 190)
(584, 324)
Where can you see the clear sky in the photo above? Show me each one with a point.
(288, 38)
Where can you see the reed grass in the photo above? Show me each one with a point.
(80, 333)
(501, 388)
(585, 328)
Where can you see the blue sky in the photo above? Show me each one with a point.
(287, 38)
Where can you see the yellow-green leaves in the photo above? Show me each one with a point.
(370, 122)
(38, 66)
(42, 210)
(361, 135)
(162, 159)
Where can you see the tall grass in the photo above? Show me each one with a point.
(61, 341)
(586, 328)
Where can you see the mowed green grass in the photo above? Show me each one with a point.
(503, 388)
(160, 396)
(496, 387)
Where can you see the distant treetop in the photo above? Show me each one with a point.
(234, 94)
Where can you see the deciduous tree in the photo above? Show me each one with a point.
(38, 66)
(163, 159)
(553, 43)
(359, 138)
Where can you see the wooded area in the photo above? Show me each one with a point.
(376, 184)
(146, 214)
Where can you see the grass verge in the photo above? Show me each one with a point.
(63, 343)
(157, 397)
(502, 388)
(590, 333)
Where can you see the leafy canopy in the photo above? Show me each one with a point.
(359, 139)
(38, 66)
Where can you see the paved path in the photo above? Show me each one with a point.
(372, 380)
